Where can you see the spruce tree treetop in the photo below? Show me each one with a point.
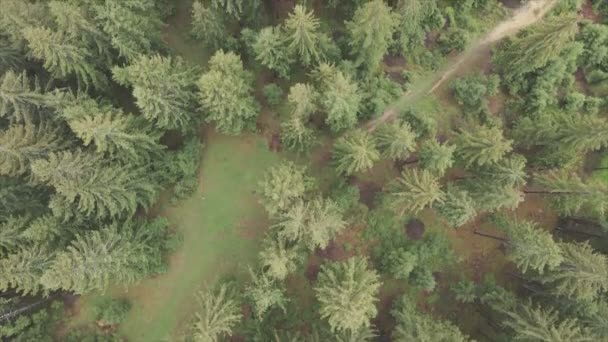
(304, 37)
(355, 152)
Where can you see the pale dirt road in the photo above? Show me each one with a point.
(523, 17)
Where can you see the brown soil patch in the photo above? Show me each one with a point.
(367, 190)
(588, 12)
(414, 229)
(345, 245)
(274, 142)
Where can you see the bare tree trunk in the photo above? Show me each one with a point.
(13, 313)
(572, 231)
(476, 232)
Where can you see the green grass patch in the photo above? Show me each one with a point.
(221, 225)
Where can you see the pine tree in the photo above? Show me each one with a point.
(414, 191)
(22, 144)
(582, 275)
(571, 195)
(11, 230)
(458, 207)
(435, 157)
(92, 188)
(507, 172)
(355, 152)
(530, 247)
(270, 51)
(482, 145)
(164, 89)
(226, 93)
(22, 270)
(543, 42)
(303, 100)
(216, 316)
(236, 8)
(531, 323)
(282, 186)
(134, 26)
(347, 292)
(208, 25)
(112, 255)
(17, 15)
(265, 294)
(304, 37)
(582, 132)
(371, 33)
(413, 16)
(396, 140)
(296, 135)
(341, 100)
(62, 58)
(77, 23)
(121, 136)
(18, 98)
(295, 132)
(489, 197)
(277, 260)
(19, 196)
(415, 326)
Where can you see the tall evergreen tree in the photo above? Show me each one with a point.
(226, 93)
(507, 172)
(91, 187)
(414, 191)
(21, 144)
(371, 33)
(21, 271)
(435, 157)
(11, 230)
(296, 134)
(355, 152)
(416, 326)
(19, 98)
(265, 293)
(277, 260)
(271, 52)
(236, 8)
(62, 58)
(347, 292)
(341, 100)
(134, 26)
(164, 89)
(303, 36)
(482, 145)
(396, 140)
(583, 273)
(282, 186)
(531, 323)
(121, 136)
(216, 316)
(458, 207)
(209, 26)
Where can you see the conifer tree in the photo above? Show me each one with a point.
(216, 316)
(121, 136)
(507, 172)
(62, 58)
(530, 323)
(355, 152)
(283, 185)
(208, 25)
(303, 36)
(17, 15)
(396, 140)
(371, 33)
(303, 100)
(295, 132)
(265, 293)
(277, 260)
(92, 188)
(19, 196)
(582, 275)
(270, 51)
(530, 247)
(341, 100)
(11, 230)
(77, 23)
(18, 98)
(134, 26)
(347, 292)
(414, 191)
(436, 157)
(164, 89)
(458, 207)
(22, 270)
(571, 195)
(482, 145)
(21, 144)
(489, 197)
(226, 93)
(236, 8)
(416, 326)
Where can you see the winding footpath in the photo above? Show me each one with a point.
(523, 17)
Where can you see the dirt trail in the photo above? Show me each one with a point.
(523, 17)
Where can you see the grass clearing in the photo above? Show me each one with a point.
(221, 226)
